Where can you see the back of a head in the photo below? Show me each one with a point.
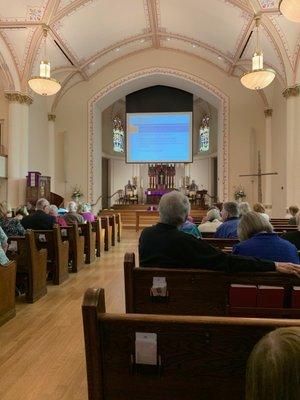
(259, 208)
(298, 219)
(22, 210)
(3, 209)
(42, 204)
(53, 210)
(213, 214)
(244, 208)
(273, 368)
(174, 208)
(293, 210)
(72, 206)
(231, 208)
(251, 224)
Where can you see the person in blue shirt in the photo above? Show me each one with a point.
(230, 216)
(189, 227)
(258, 240)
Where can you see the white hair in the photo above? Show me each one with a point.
(213, 214)
(174, 207)
(53, 210)
(72, 206)
(244, 208)
(41, 204)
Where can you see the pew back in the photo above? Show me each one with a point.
(197, 357)
(57, 252)
(89, 241)
(199, 292)
(31, 262)
(76, 247)
(7, 291)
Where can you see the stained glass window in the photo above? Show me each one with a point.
(118, 135)
(204, 134)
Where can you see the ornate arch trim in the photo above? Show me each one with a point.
(224, 100)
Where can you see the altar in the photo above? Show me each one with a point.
(161, 181)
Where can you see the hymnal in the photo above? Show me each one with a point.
(270, 296)
(242, 295)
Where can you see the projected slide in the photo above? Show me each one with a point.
(159, 137)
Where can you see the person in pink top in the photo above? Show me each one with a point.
(85, 210)
(59, 220)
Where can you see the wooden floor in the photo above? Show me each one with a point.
(42, 349)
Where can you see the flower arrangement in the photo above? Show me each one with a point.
(77, 193)
(239, 193)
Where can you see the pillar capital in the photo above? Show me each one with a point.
(18, 97)
(292, 91)
(268, 112)
(51, 117)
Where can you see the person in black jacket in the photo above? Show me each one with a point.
(294, 236)
(163, 245)
(40, 219)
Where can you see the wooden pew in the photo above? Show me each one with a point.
(89, 241)
(221, 243)
(118, 221)
(7, 291)
(57, 253)
(76, 247)
(197, 357)
(199, 292)
(108, 232)
(32, 263)
(100, 235)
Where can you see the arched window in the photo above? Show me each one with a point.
(204, 134)
(118, 135)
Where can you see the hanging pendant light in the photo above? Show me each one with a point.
(290, 9)
(44, 84)
(259, 77)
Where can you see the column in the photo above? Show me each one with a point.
(292, 96)
(51, 150)
(18, 135)
(267, 193)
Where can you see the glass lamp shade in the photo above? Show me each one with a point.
(290, 9)
(258, 79)
(44, 84)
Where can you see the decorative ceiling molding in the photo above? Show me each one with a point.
(52, 13)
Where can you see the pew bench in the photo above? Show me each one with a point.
(57, 253)
(100, 235)
(118, 221)
(76, 246)
(31, 264)
(89, 235)
(107, 232)
(194, 357)
(201, 292)
(7, 291)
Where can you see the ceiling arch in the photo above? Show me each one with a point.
(86, 35)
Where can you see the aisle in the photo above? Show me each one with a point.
(41, 349)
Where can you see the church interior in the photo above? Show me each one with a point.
(159, 134)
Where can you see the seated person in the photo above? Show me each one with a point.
(3, 247)
(72, 216)
(260, 209)
(211, 222)
(244, 208)
(273, 368)
(40, 219)
(10, 226)
(189, 227)
(164, 245)
(294, 237)
(193, 187)
(258, 240)
(293, 210)
(230, 216)
(85, 210)
(58, 218)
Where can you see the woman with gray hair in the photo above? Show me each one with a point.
(72, 216)
(212, 221)
(244, 208)
(258, 240)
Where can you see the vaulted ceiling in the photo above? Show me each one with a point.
(86, 35)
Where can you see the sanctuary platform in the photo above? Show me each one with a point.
(131, 212)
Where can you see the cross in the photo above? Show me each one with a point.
(259, 175)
